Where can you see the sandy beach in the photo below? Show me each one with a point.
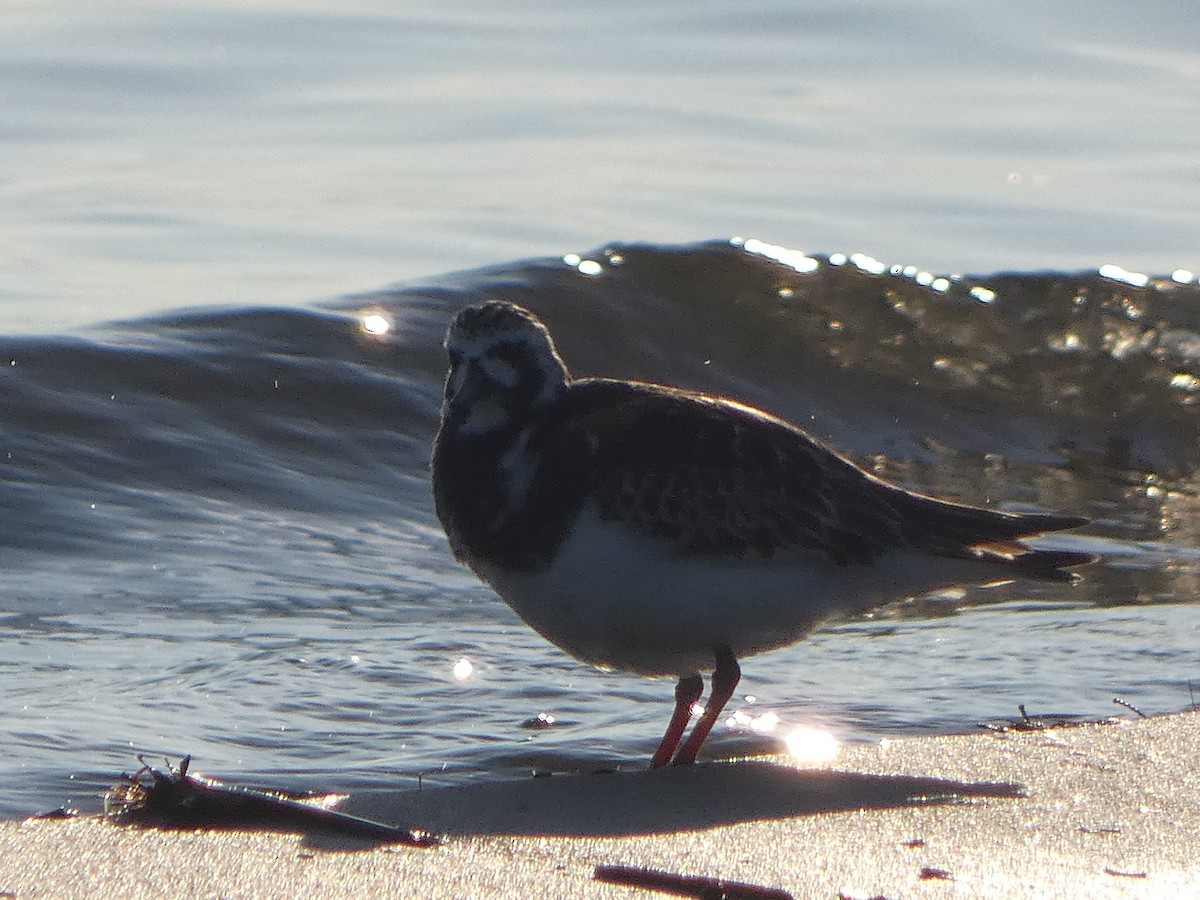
(1088, 811)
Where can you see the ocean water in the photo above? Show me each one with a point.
(217, 535)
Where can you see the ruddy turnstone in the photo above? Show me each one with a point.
(664, 532)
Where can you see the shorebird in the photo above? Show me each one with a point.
(654, 530)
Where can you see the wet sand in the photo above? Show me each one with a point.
(1088, 811)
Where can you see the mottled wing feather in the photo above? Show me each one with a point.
(711, 476)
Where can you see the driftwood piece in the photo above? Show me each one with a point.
(175, 799)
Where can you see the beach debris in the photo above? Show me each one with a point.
(175, 799)
(1110, 829)
(933, 873)
(698, 886)
(1130, 706)
(1042, 722)
(1108, 870)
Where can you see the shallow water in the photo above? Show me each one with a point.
(220, 540)
(217, 535)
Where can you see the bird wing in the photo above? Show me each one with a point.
(710, 475)
(713, 476)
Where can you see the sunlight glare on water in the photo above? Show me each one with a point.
(376, 324)
(794, 259)
(812, 745)
(1116, 273)
(806, 744)
(584, 266)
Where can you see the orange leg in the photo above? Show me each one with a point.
(725, 678)
(687, 692)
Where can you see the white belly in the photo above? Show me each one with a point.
(619, 600)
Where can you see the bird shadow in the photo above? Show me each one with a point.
(615, 804)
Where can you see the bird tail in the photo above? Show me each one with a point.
(1029, 562)
(970, 532)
